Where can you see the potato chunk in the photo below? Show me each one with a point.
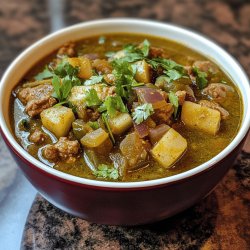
(58, 120)
(169, 148)
(142, 72)
(95, 138)
(120, 123)
(201, 117)
(78, 93)
(84, 65)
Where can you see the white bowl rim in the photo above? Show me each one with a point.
(139, 184)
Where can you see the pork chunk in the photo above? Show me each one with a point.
(217, 91)
(64, 150)
(214, 105)
(67, 49)
(37, 137)
(37, 99)
(102, 65)
(206, 66)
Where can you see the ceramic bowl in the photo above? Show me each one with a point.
(123, 203)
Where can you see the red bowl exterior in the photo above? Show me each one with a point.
(124, 206)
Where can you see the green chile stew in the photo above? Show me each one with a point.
(125, 107)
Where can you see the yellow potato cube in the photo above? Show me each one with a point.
(58, 120)
(78, 93)
(95, 138)
(142, 72)
(84, 65)
(120, 123)
(169, 148)
(201, 117)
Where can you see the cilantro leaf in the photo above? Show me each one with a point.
(46, 73)
(142, 112)
(64, 68)
(93, 80)
(174, 100)
(56, 82)
(124, 77)
(105, 120)
(145, 48)
(112, 104)
(173, 70)
(92, 98)
(201, 78)
(105, 171)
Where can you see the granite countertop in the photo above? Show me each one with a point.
(220, 221)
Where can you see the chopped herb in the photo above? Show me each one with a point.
(112, 104)
(124, 77)
(64, 68)
(60, 103)
(137, 84)
(94, 125)
(201, 78)
(105, 120)
(93, 80)
(105, 171)
(92, 98)
(56, 82)
(174, 100)
(173, 70)
(223, 81)
(142, 112)
(145, 47)
(102, 40)
(46, 73)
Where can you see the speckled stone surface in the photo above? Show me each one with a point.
(220, 221)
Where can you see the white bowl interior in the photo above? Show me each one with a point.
(45, 46)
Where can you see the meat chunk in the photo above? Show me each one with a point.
(156, 52)
(27, 94)
(181, 94)
(67, 49)
(37, 137)
(64, 150)
(214, 105)
(163, 114)
(206, 66)
(37, 99)
(217, 91)
(132, 148)
(93, 115)
(102, 65)
(36, 106)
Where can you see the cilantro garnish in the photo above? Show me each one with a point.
(105, 120)
(112, 104)
(93, 80)
(92, 98)
(105, 171)
(174, 100)
(172, 70)
(201, 78)
(65, 69)
(124, 77)
(142, 112)
(46, 73)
